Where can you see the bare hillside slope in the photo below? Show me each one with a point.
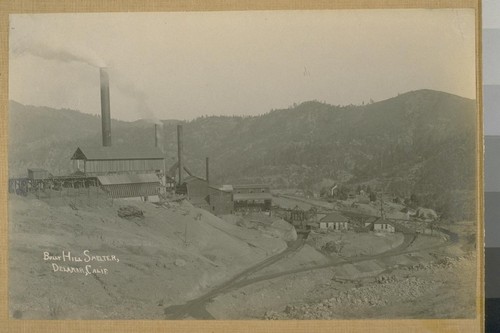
(172, 254)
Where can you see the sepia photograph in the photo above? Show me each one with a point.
(243, 165)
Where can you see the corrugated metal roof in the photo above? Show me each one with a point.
(252, 196)
(190, 179)
(250, 186)
(37, 170)
(117, 153)
(334, 217)
(218, 189)
(383, 221)
(228, 188)
(132, 190)
(128, 179)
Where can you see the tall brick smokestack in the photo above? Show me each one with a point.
(105, 108)
(179, 152)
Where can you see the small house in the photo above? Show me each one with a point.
(362, 199)
(334, 221)
(384, 226)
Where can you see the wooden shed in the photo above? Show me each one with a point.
(109, 160)
(221, 201)
(38, 174)
(196, 191)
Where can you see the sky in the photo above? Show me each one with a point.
(184, 65)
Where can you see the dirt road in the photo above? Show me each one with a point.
(196, 307)
(312, 202)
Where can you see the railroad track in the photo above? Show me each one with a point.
(196, 308)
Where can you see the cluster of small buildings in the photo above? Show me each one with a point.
(226, 199)
(332, 221)
(338, 222)
(141, 172)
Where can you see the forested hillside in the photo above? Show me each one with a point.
(421, 142)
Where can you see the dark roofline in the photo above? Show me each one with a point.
(335, 215)
(117, 154)
(124, 159)
(252, 196)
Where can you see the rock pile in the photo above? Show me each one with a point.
(445, 262)
(333, 247)
(129, 212)
(385, 289)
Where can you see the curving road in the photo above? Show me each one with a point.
(196, 308)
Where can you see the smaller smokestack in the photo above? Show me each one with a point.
(179, 152)
(206, 169)
(156, 135)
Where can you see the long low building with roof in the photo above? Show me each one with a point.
(130, 185)
(109, 160)
(252, 196)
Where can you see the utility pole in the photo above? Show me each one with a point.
(180, 152)
(382, 213)
(381, 205)
(185, 233)
(384, 189)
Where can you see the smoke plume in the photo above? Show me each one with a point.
(71, 52)
(67, 53)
